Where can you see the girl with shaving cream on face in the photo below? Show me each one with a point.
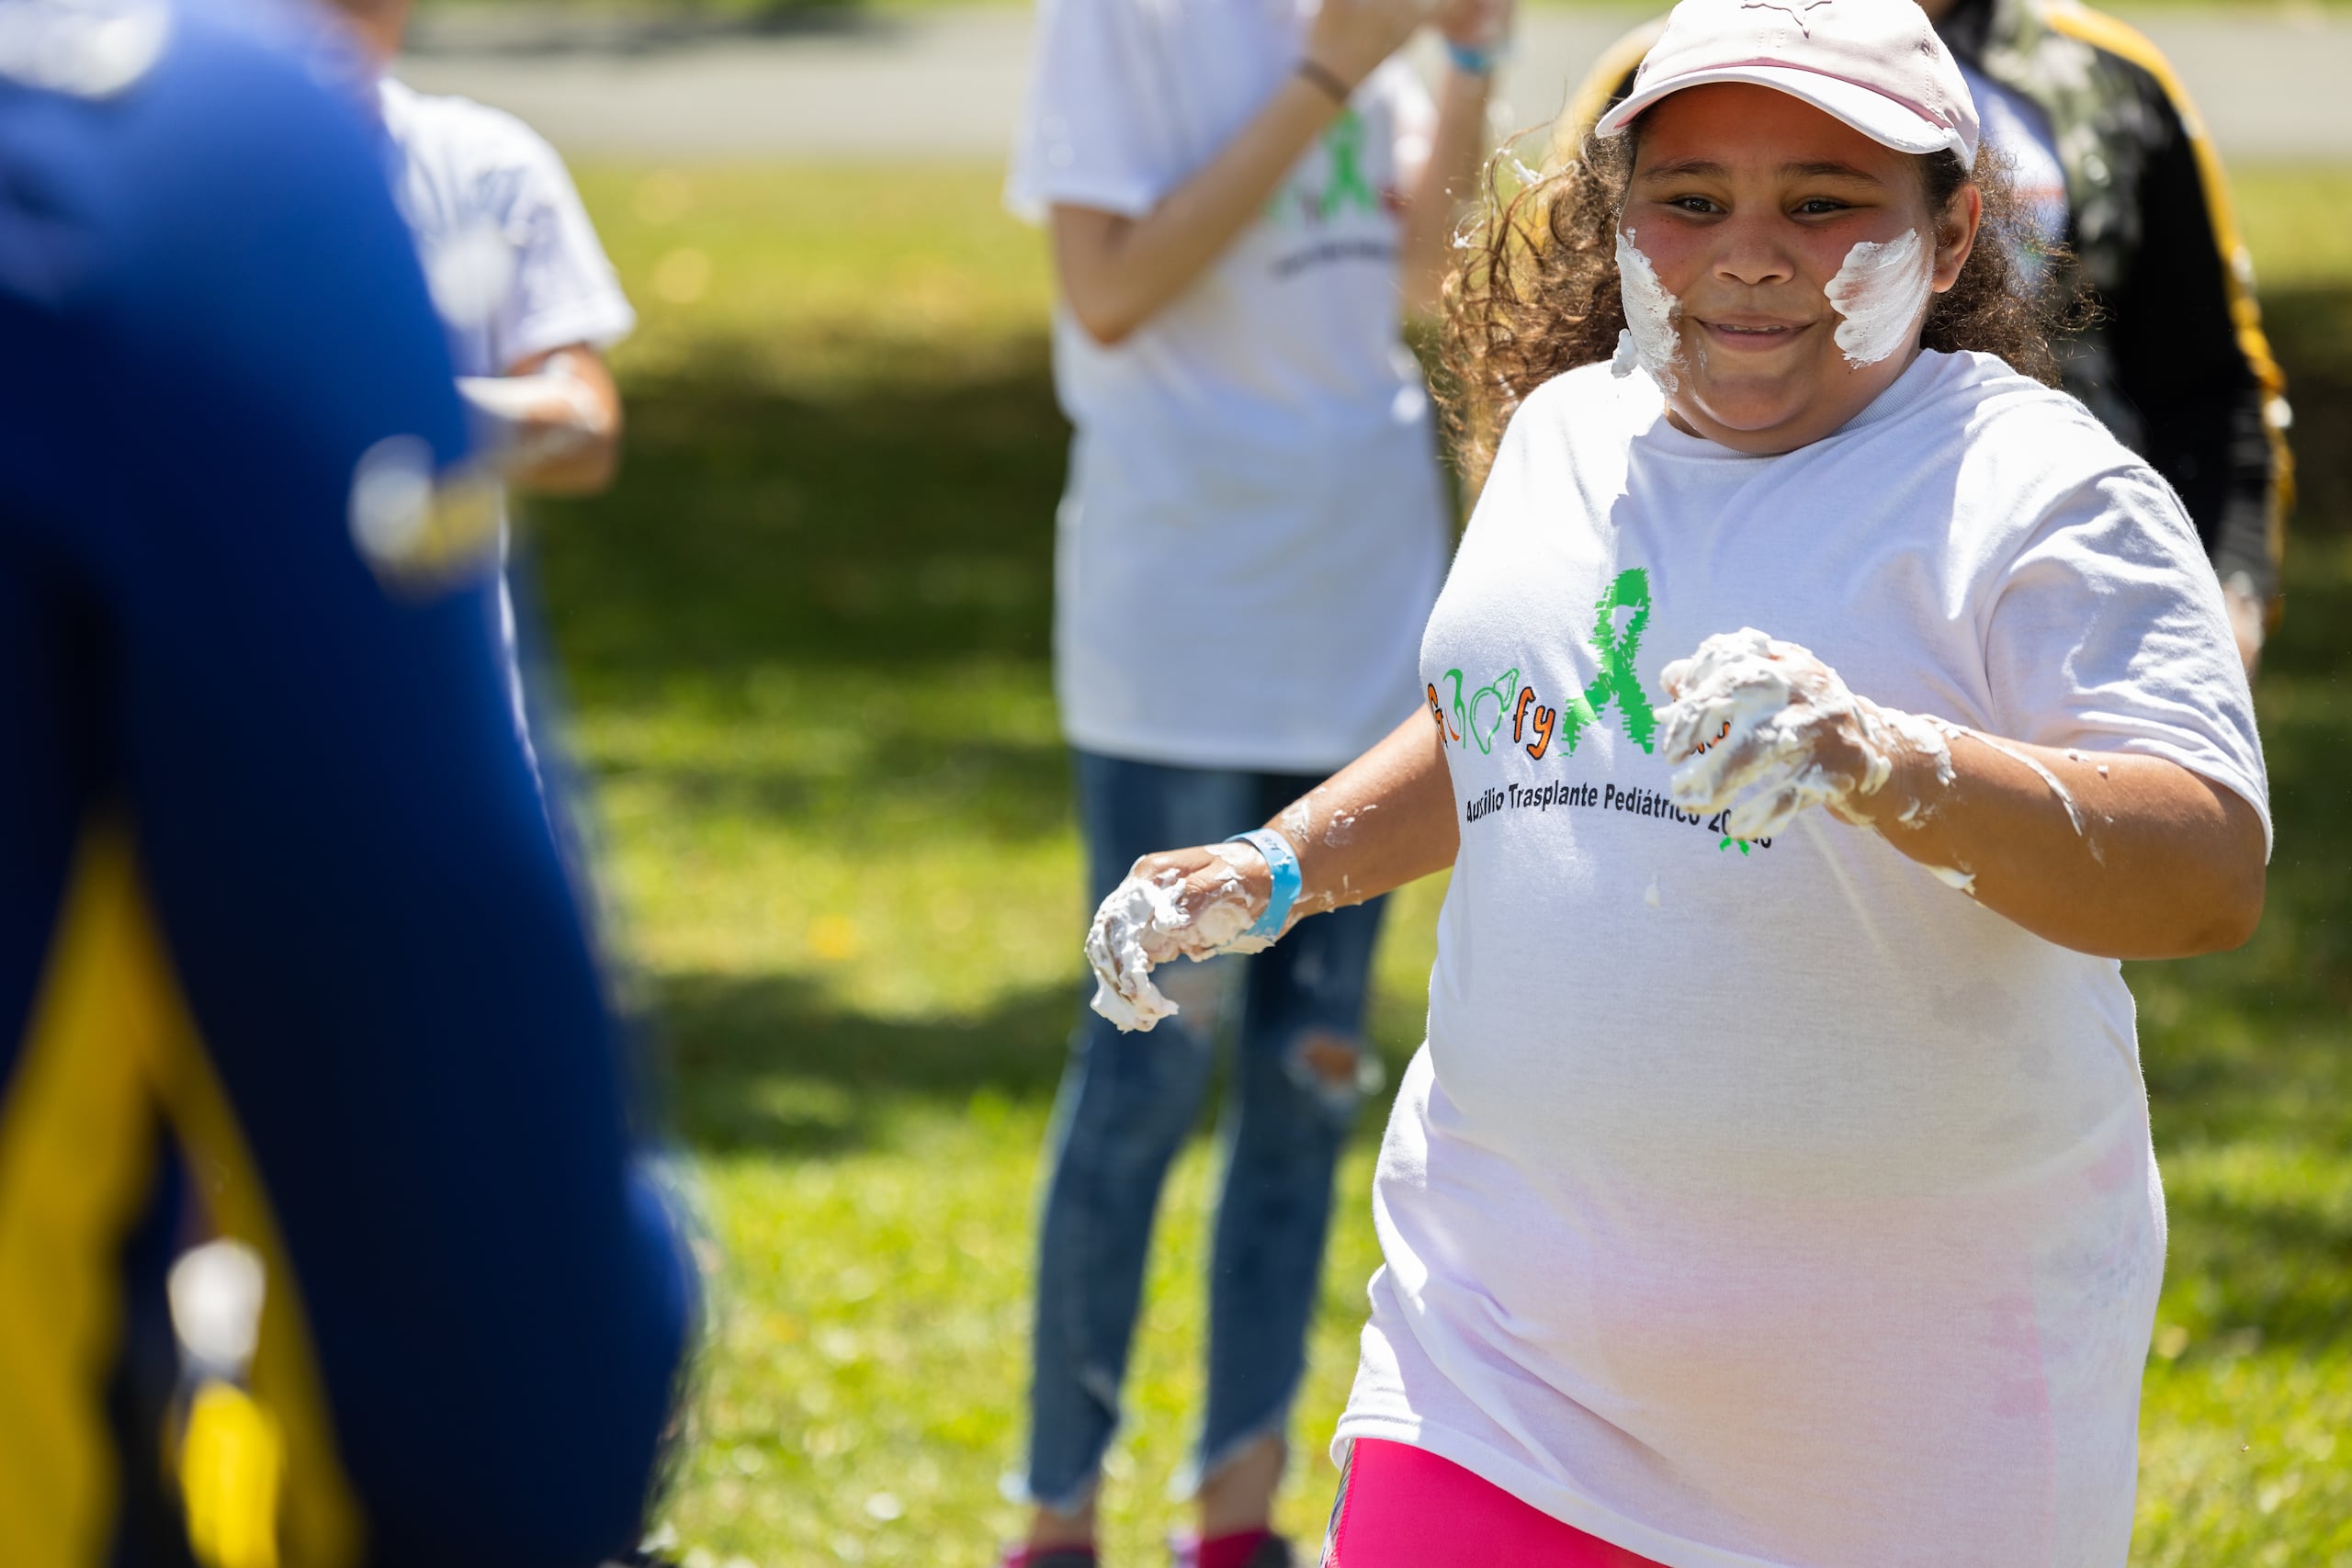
(1774, 1187)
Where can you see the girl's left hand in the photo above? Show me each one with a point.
(1764, 729)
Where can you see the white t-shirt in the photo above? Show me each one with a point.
(1775, 1204)
(514, 262)
(1254, 526)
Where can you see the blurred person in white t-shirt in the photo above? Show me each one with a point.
(517, 272)
(520, 281)
(1245, 198)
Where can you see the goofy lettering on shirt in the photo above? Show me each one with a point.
(1478, 718)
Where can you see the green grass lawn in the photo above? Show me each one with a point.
(805, 640)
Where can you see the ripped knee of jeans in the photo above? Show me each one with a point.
(1102, 1385)
(1337, 1068)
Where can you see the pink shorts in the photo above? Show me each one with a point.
(1404, 1507)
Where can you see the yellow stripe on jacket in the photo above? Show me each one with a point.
(110, 1048)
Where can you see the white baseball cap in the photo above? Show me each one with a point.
(1876, 65)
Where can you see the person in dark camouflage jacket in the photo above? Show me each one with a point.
(2175, 361)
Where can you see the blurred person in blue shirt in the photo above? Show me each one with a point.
(281, 902)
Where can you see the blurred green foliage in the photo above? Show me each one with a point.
(805, 640)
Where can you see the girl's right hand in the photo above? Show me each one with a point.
(1350, 38)
(1193, 903)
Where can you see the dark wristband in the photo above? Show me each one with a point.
(1324, 77)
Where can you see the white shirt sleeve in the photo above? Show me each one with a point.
(565, 290)
(2107, 633)
(1093, 131)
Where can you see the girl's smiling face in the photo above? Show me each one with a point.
(1748, 205)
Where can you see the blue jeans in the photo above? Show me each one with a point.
(1127, 1102)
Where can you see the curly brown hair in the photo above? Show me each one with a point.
(1536, 293)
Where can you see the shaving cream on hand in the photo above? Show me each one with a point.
(1762, 728)
(1163, 914)
(1881, 290)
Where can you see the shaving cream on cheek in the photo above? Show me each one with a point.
(1881, 292)
(1649, 338)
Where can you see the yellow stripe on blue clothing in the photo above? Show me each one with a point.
(76, 1156)
(110, 1048)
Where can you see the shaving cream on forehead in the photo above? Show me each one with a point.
(1649, 338)
(1881, 292)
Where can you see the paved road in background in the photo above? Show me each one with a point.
(947, 84)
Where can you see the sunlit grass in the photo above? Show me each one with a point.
(806, 645)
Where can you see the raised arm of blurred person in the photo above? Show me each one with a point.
(1118, 271)
(1479, 29)
(278, 867)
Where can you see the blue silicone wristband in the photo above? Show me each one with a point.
(1282, 861)
(1473, 60)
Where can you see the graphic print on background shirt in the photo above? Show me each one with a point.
(1333, 181)
(1477, 719)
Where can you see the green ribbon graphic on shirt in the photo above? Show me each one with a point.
(1616, 682)
(1344, 142)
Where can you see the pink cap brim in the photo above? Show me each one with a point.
(1868, 110)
